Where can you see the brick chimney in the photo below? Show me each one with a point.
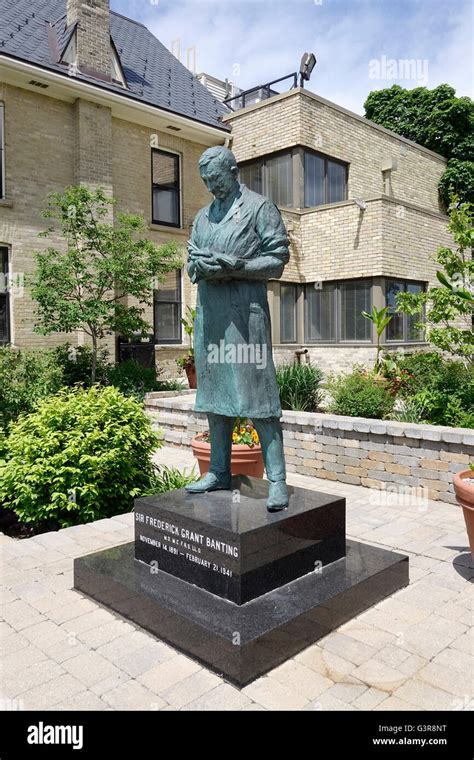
(92, 36)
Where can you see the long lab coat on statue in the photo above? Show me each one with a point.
(232, 332)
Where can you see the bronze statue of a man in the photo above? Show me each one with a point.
(238, 242)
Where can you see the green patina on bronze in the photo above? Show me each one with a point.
(237, 244)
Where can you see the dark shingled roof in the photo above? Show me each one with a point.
(36, 32)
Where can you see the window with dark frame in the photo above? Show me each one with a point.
(165, 188)
(4, 298)
(320, 312)
(401, 328)
(288, 320)
(167, 309)
(332, 312)
(271, 176)
(325, 180)
(2, 151)
(355, 296)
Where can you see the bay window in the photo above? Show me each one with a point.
(296, 178)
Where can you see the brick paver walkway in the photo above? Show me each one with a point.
(414, 650)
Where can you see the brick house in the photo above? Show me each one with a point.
(88, 96)
(364, 218)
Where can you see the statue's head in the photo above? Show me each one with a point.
(219, 171)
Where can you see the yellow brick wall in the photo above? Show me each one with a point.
(132, 185)
(411, 238)
(50, 144)
(395, 235)
(342, 241)
(39, 141)
(304, 119)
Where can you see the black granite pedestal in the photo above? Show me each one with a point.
(237, 587)
(229, 544)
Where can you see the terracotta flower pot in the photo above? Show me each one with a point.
(244, 460)
(190, 369)
(465, 497)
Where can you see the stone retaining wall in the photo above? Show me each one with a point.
(393, 456)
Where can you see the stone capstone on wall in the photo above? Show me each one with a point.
(402, 460)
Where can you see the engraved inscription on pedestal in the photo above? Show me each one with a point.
(238, 551)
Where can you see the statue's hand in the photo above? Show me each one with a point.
(206, 268)
(198, 253)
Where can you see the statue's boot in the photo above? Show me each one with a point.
(271, 440)
(219, 476)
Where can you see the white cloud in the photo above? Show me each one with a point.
(254, 41)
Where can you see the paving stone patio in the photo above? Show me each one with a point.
(412, 651)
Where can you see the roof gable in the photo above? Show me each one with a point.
(38, 34)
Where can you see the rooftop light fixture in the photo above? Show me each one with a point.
(308, 62)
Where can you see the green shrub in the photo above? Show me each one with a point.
(28, 376)
(132, 379)
(360, 394)
(299, 386)
(412, 409)
(76, 364)
(445, 388)
(82, 455)
(25, 378)
(422, 366)
(169, 479)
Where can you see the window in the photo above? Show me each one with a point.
(280, 179)
(4, 298)
(272, 177)
(320, 312)
(297, 178)
(167, 309)
(401, 327)
(314, 180)
(355, 297)
(325, 180)
(252, 176)
(165, 188)
(288, 322)
(332, 312)
(2, 152)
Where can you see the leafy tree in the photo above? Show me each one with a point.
(458, 178)
(450, 307)
(436, 119)
(84, 285)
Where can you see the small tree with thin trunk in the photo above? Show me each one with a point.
(450, 308)
(84, 284)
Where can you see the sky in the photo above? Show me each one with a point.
(360, 45)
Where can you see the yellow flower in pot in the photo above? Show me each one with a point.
(246, 455)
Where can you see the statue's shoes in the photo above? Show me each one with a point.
(278, 498)
(210, 482)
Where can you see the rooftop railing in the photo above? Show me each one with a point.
(259, 93)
